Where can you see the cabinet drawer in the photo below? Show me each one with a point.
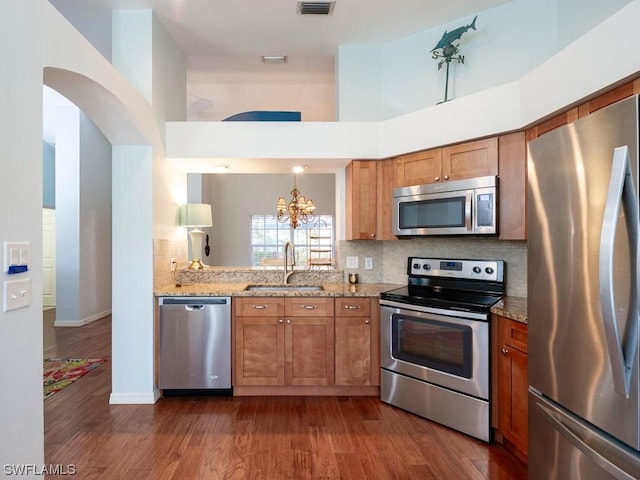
(515, 335)
(259, 306)
(353, 307)
(308, 306)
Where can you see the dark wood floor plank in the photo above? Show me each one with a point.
(241, 438)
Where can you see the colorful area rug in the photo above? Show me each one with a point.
(62, 372)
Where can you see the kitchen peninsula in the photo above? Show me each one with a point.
(316, 335)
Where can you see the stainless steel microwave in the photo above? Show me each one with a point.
(458, 207)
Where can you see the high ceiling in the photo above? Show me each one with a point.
(232, 35)
(236, 33)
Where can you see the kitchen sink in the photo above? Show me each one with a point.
(283, 288)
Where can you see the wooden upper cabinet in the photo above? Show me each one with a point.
(361, 200)
(512, 187)
(465, 160)
(419, 168)
(470, 159)
(386, 184)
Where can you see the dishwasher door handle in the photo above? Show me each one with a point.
(193, 308)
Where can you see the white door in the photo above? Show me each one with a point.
(48, 257)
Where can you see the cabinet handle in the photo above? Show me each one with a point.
(446, 177)
(259, 307)
(352, 307)
(289, 321)
(504, 351)
(309, 307)
(280, 321)
(437, 179)
(367, 322)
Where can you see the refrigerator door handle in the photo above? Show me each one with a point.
(598, 449)
(621, 193)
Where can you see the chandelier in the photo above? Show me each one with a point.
(299, 210)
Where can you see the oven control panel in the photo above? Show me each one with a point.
(489, 270)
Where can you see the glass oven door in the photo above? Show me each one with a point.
(433, 344)
(447, 351)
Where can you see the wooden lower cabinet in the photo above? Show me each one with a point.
(357, 347)
(510, 356)
(273, 347)
(297, 345)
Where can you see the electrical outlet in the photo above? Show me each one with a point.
(352, 262)
(368, 263)
(174, 265)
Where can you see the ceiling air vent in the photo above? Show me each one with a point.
(315, 8)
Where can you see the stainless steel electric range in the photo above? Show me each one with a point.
(435, 341)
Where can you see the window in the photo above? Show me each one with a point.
(314, 241)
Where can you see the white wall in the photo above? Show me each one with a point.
(143, 182)
(234, 198)
(68, 213)
(510, 40)
(83, 220)
(95, 223)
(21, 37)
(215, 93)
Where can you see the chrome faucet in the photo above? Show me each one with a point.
(288, 247)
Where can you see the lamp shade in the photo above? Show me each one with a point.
(195, 215)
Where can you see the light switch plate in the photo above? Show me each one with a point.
(16, 253)
(352, 262)
(17, 294)
(368, 263)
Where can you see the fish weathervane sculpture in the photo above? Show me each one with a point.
(449, 50)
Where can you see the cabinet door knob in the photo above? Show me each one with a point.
(288, 321)
(367, 322)
(280, 321)
(446, 177)
(373, 235)
(504, 351)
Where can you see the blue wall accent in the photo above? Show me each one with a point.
(264, 116)
(48, 175)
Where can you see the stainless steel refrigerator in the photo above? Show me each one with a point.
(584, 393)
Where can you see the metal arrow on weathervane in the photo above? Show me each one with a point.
(448, 50)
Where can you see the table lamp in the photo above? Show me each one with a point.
(195, 215)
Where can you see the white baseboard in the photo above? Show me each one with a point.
(134, 398)
(84, 321)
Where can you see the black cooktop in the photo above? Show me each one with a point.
(451, 284)
(444, 299)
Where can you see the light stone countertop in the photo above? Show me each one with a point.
(337, 289)
(514, 308)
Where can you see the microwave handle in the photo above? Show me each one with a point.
(468, 214)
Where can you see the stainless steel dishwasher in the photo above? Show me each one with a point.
(195, 345)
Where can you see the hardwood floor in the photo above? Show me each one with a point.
(246, 437)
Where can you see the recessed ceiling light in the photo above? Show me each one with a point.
(298, 168)
(274, 58)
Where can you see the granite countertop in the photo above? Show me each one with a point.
(514, 308)
(337, 289)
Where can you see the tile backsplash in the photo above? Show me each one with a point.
(390, 257)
